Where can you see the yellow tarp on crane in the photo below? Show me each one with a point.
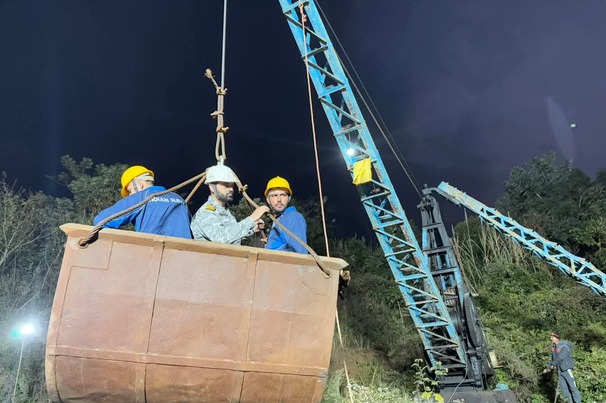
(362, 172)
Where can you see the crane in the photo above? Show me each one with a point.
(425, 291)
(581, 270)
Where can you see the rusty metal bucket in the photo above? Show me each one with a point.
(147, 318)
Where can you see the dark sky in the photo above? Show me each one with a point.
(469, 89)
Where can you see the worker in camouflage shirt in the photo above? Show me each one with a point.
(213, 221)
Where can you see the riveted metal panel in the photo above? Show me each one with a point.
(147, 318)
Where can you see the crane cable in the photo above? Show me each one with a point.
(220, 153)
(220, 145)
(91, 237)
(242, 189)
(83, 242)
(200, 178)
(384, 132)
(313, 130)
(221, 91)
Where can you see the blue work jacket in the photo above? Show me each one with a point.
(280, 240)
(163, 215)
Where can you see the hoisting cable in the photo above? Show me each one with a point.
(221, 91)
(223, 42)
(195, 189)
(390, 141)
(243, 188)
(220, 154)
(313, 130)
(220, 145)
(83, 242)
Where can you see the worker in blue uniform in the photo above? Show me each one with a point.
(162, 215)
(278, 194)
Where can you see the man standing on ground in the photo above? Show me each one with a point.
(561, 358)
(213, 221)
(278, 194)
(163, 215)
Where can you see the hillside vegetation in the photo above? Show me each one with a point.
(521, 299)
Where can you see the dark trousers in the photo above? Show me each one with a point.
(569, 386)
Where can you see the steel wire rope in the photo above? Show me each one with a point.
(313, 130)
(219, 147)
(386, 133)
(390, 141)
(83, 242)
(242, 189)
(221, 156)
(220, 153)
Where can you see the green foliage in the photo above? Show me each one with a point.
(31, 247)
(589, 373)
(332, 391)
(592, 238)
(94, 186)
(30, 251)
(427, 382)
(546, 187)
(337, 391)
(477, 245)
(560, 202)
(381, 394)
(373, 306)
(521, 298)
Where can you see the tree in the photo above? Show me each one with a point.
(30, 252)
(94, 187)
(552, 198)
(31, 247)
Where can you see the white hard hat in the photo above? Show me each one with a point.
(220, 173)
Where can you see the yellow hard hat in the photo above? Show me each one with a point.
(132, 173)
(278, 182)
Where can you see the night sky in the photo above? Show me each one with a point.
(468, 89)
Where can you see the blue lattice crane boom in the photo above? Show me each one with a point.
(576, 267)
(409, 266)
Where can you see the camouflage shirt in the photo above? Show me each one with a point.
(215, 223)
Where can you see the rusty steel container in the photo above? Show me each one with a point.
(147, 318)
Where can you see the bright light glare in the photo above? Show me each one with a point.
(26, 330)
(351, 152)
(573, 125)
